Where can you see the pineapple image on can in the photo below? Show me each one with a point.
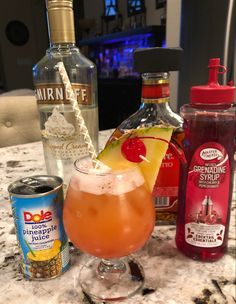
(37, 204)
(45, 263)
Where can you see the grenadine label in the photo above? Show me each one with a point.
(207, 191)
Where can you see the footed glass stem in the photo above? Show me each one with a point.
(111, 280)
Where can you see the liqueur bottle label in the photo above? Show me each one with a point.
(166, 188)
(207, 196)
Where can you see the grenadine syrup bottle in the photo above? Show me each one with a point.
(206, 182)
(154, 65)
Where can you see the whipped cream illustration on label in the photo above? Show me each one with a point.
(57, 126)
(61, 137)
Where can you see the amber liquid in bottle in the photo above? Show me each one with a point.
(155, 110)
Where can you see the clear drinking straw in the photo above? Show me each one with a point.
(78, 115)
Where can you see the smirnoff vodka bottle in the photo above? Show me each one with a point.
(61, 139)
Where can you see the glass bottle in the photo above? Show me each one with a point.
(207, 177)
(155, 109)
(61, 139)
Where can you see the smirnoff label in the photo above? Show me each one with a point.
(56, 94)
(207, 196)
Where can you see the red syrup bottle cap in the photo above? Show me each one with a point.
(213, 92)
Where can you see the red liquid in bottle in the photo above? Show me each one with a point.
(200, 129)
(206, 179)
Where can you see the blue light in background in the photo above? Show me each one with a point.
(110, 7)
(138, 37)
(114, 57)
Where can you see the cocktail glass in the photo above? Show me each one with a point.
(109, 215)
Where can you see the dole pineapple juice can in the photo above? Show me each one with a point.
(37, 204)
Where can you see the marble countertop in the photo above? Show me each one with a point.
(171, 278)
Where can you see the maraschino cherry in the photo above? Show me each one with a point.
(132, 149)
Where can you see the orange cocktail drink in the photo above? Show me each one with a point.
(108, 214)
(109, 211)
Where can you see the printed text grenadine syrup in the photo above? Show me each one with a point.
(206, 180)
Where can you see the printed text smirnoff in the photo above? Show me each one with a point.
(55, 94)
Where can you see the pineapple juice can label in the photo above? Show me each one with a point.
(37, 204)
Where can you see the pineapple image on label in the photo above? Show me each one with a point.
(45, 263)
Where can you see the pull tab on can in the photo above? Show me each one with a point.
(36, 185)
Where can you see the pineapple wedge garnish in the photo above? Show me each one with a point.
(155, 139)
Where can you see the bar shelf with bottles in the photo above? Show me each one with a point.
(119, 86)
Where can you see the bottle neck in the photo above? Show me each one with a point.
(62, 46)
(61, 23)
(155, 88)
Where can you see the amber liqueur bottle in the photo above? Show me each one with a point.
(62, 140)
(154, 64)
